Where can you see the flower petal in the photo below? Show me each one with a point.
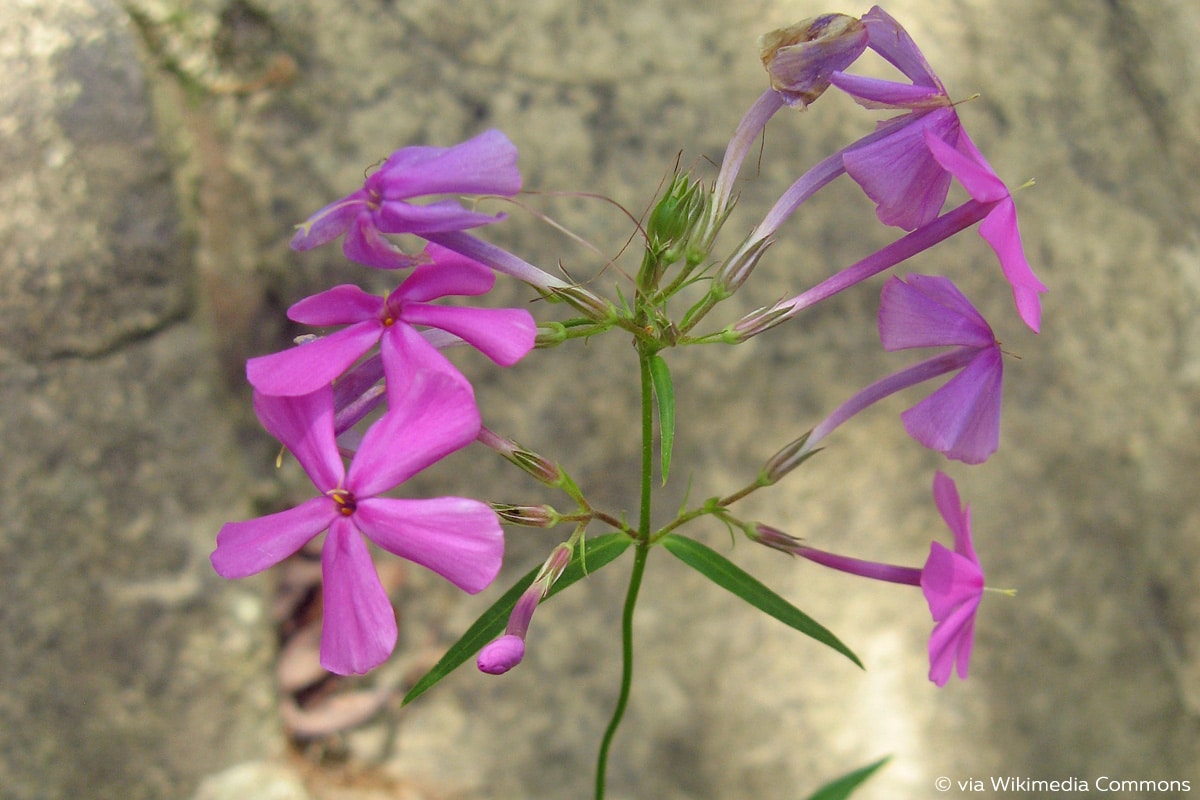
(406, 352)
(366, 245)
(929, 311)
(949, 580)
(330, 222)
(310, 366)
(397, 216)
(976, 176)
(341, 305)
(249, 547)
(889, 39)
(435, 415)
(449, 274)
(304, 424)
(504, 335)
(359, 629)
(458, 538)
(956, 515)
(899, 173)
(485, 164)
(878, 93)
(953, 639)
(1000, 230)
(962, 418)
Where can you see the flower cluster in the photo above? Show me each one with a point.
(310, 396)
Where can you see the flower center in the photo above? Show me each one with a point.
(345, 501)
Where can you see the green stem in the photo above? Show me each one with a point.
(639, 566)
(635, 583)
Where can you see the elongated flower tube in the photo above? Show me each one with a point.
(962, 418)
(501, 655)
(458, 538)
(951, 580)
(504, 335)
(486, 164)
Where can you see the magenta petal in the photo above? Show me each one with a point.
(929, 311)
(486, 164)
(974, 174)
(406, 352)
(434, 416)
(899, 173)
(359, 629)
(458, 538)
(341, 305)
(505, 335)
(304, 424)
(962, 418)
(952, 640)
(949, 580)
(366, 245)
(498, 657)
(449, 274)
(397, 216)
(1000, 230)
(247, 548)
(310, 366)
(887, 38)
(878, 93)
(330, 222)
(957, 516)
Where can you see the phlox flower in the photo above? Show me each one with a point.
(897, 171)
(504, 335)
(962, 418)
(951, 580)
(999, 226)
(486, 164)
(458, 538)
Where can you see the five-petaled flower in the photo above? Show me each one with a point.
(951, 580)
(505, 335)
(458, 538)
(486, 164)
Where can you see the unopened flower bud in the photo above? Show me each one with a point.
(682, 208)
(787, 459)
(537, 466)
(531, 516)
(594, 307)
(734, 272)
(801, 58)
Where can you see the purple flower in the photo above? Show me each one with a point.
(503, 335)
(897, 171)
(458, 538)
(486, 164)
(962, 418)
(999, 227)
(501, 655)
(951, 580)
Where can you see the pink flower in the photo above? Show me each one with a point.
(999, 227)
(486, 164)
(951, 580)
(458, 538)
(504, 335)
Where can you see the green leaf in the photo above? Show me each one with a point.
(730, 576)
(664, 393)
(599, 551)
(843, 787)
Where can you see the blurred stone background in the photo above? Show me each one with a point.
(155, 154)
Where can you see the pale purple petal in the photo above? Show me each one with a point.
(358, 632)
(1000, 230)
(962, 418)
(486, 164)
(434, 416)
(247, 548)
(498, 657)
(341, 305)
(304, 424)
(397, 216)
(458, 538)
(976, 176)
(365, 244)
(887, 38)
(306, 368)
(929, 311)
(952, 640)
(330, 222)
(899, 173)
(504, 335)
(876, 93)
(449, 274)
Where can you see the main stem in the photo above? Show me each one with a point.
(639, 568)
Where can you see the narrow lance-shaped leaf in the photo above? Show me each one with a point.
(598, 552)
(843, 787)
(664, 393)
(730, 576)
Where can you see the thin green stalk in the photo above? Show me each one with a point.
(639, 568)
